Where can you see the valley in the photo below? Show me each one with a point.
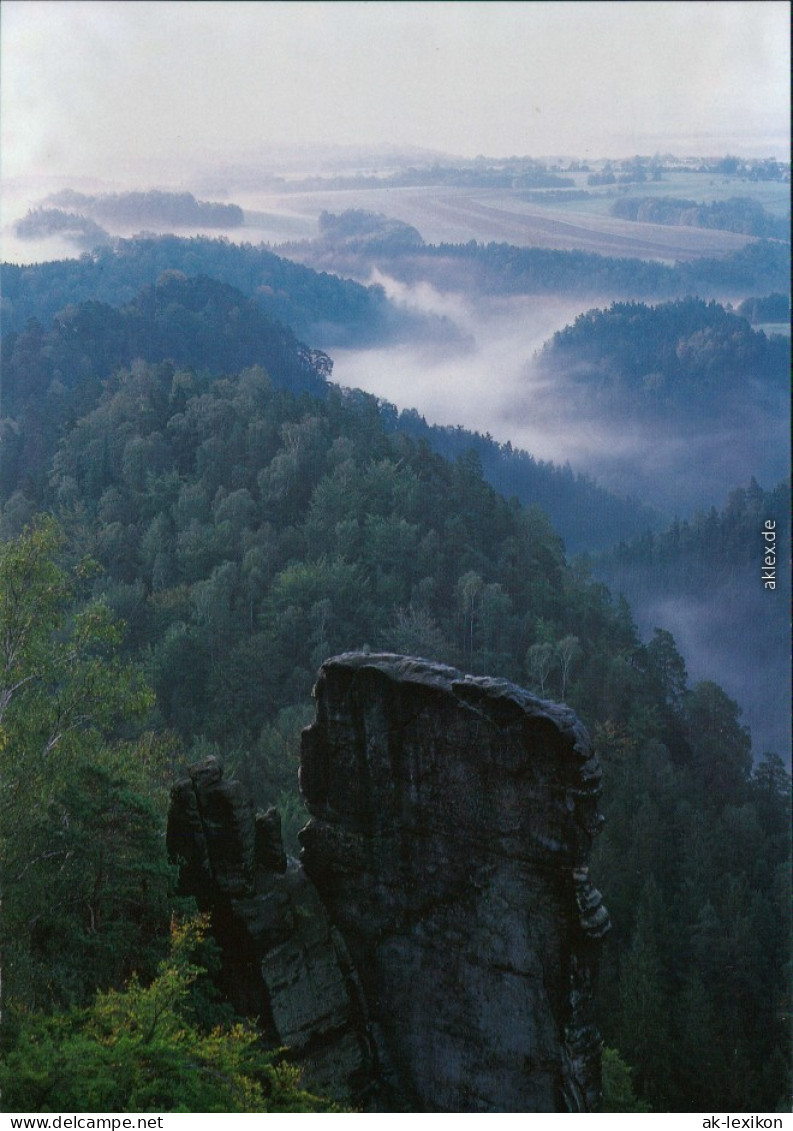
(223, 462)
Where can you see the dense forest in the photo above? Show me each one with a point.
(329, 311)
(213, 536)
(200, 322)
(332, 311)
(689, 360)
(320, 307)
(106, 1001)
(504, 269)
(691, 398)
(585, 514)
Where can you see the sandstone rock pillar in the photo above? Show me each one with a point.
(451, 819)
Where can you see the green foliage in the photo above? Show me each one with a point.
(52, 377)
(245, 533)
(657, 362)
(618, 1093)
(269, 768)
(720, 747)
(697, 963)
(644, 994)
(192, 322)
(238, 577)
(83, 878)
(138, 1050)
(703, 571)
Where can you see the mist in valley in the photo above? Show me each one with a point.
(480, 368)
(476, 361)
(473, 360)
(177, 476)
(734, 635)
(471, 369)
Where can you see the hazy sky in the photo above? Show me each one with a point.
(94, 87)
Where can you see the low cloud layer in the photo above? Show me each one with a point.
(487, 379)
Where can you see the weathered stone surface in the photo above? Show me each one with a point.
(283, 962)
(435, 950)
(451, 824)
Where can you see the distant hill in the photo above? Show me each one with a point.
(177, 209)
(689, 360)
(81, 230)
(685, 397)
(53, 376)
(739, 214)
(503, 268)
(319, 308)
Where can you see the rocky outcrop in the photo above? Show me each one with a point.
(284, 963)
(450, 831)
(434, 950)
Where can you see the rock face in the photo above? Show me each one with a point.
(451, 824)
(284, 963)
(434, 950)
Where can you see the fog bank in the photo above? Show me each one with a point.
(485, 377)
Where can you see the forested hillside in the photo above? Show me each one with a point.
(74, 215)
(51, 378)
(180, 209)
(98, 1011)
(54, 371)
(502, 269)
(586, 515)
(80, 230)
(395, 656)
(222, 519)
(243, 532)
(690, 360)
(688, 397)
(329, 310)
(317, 306)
